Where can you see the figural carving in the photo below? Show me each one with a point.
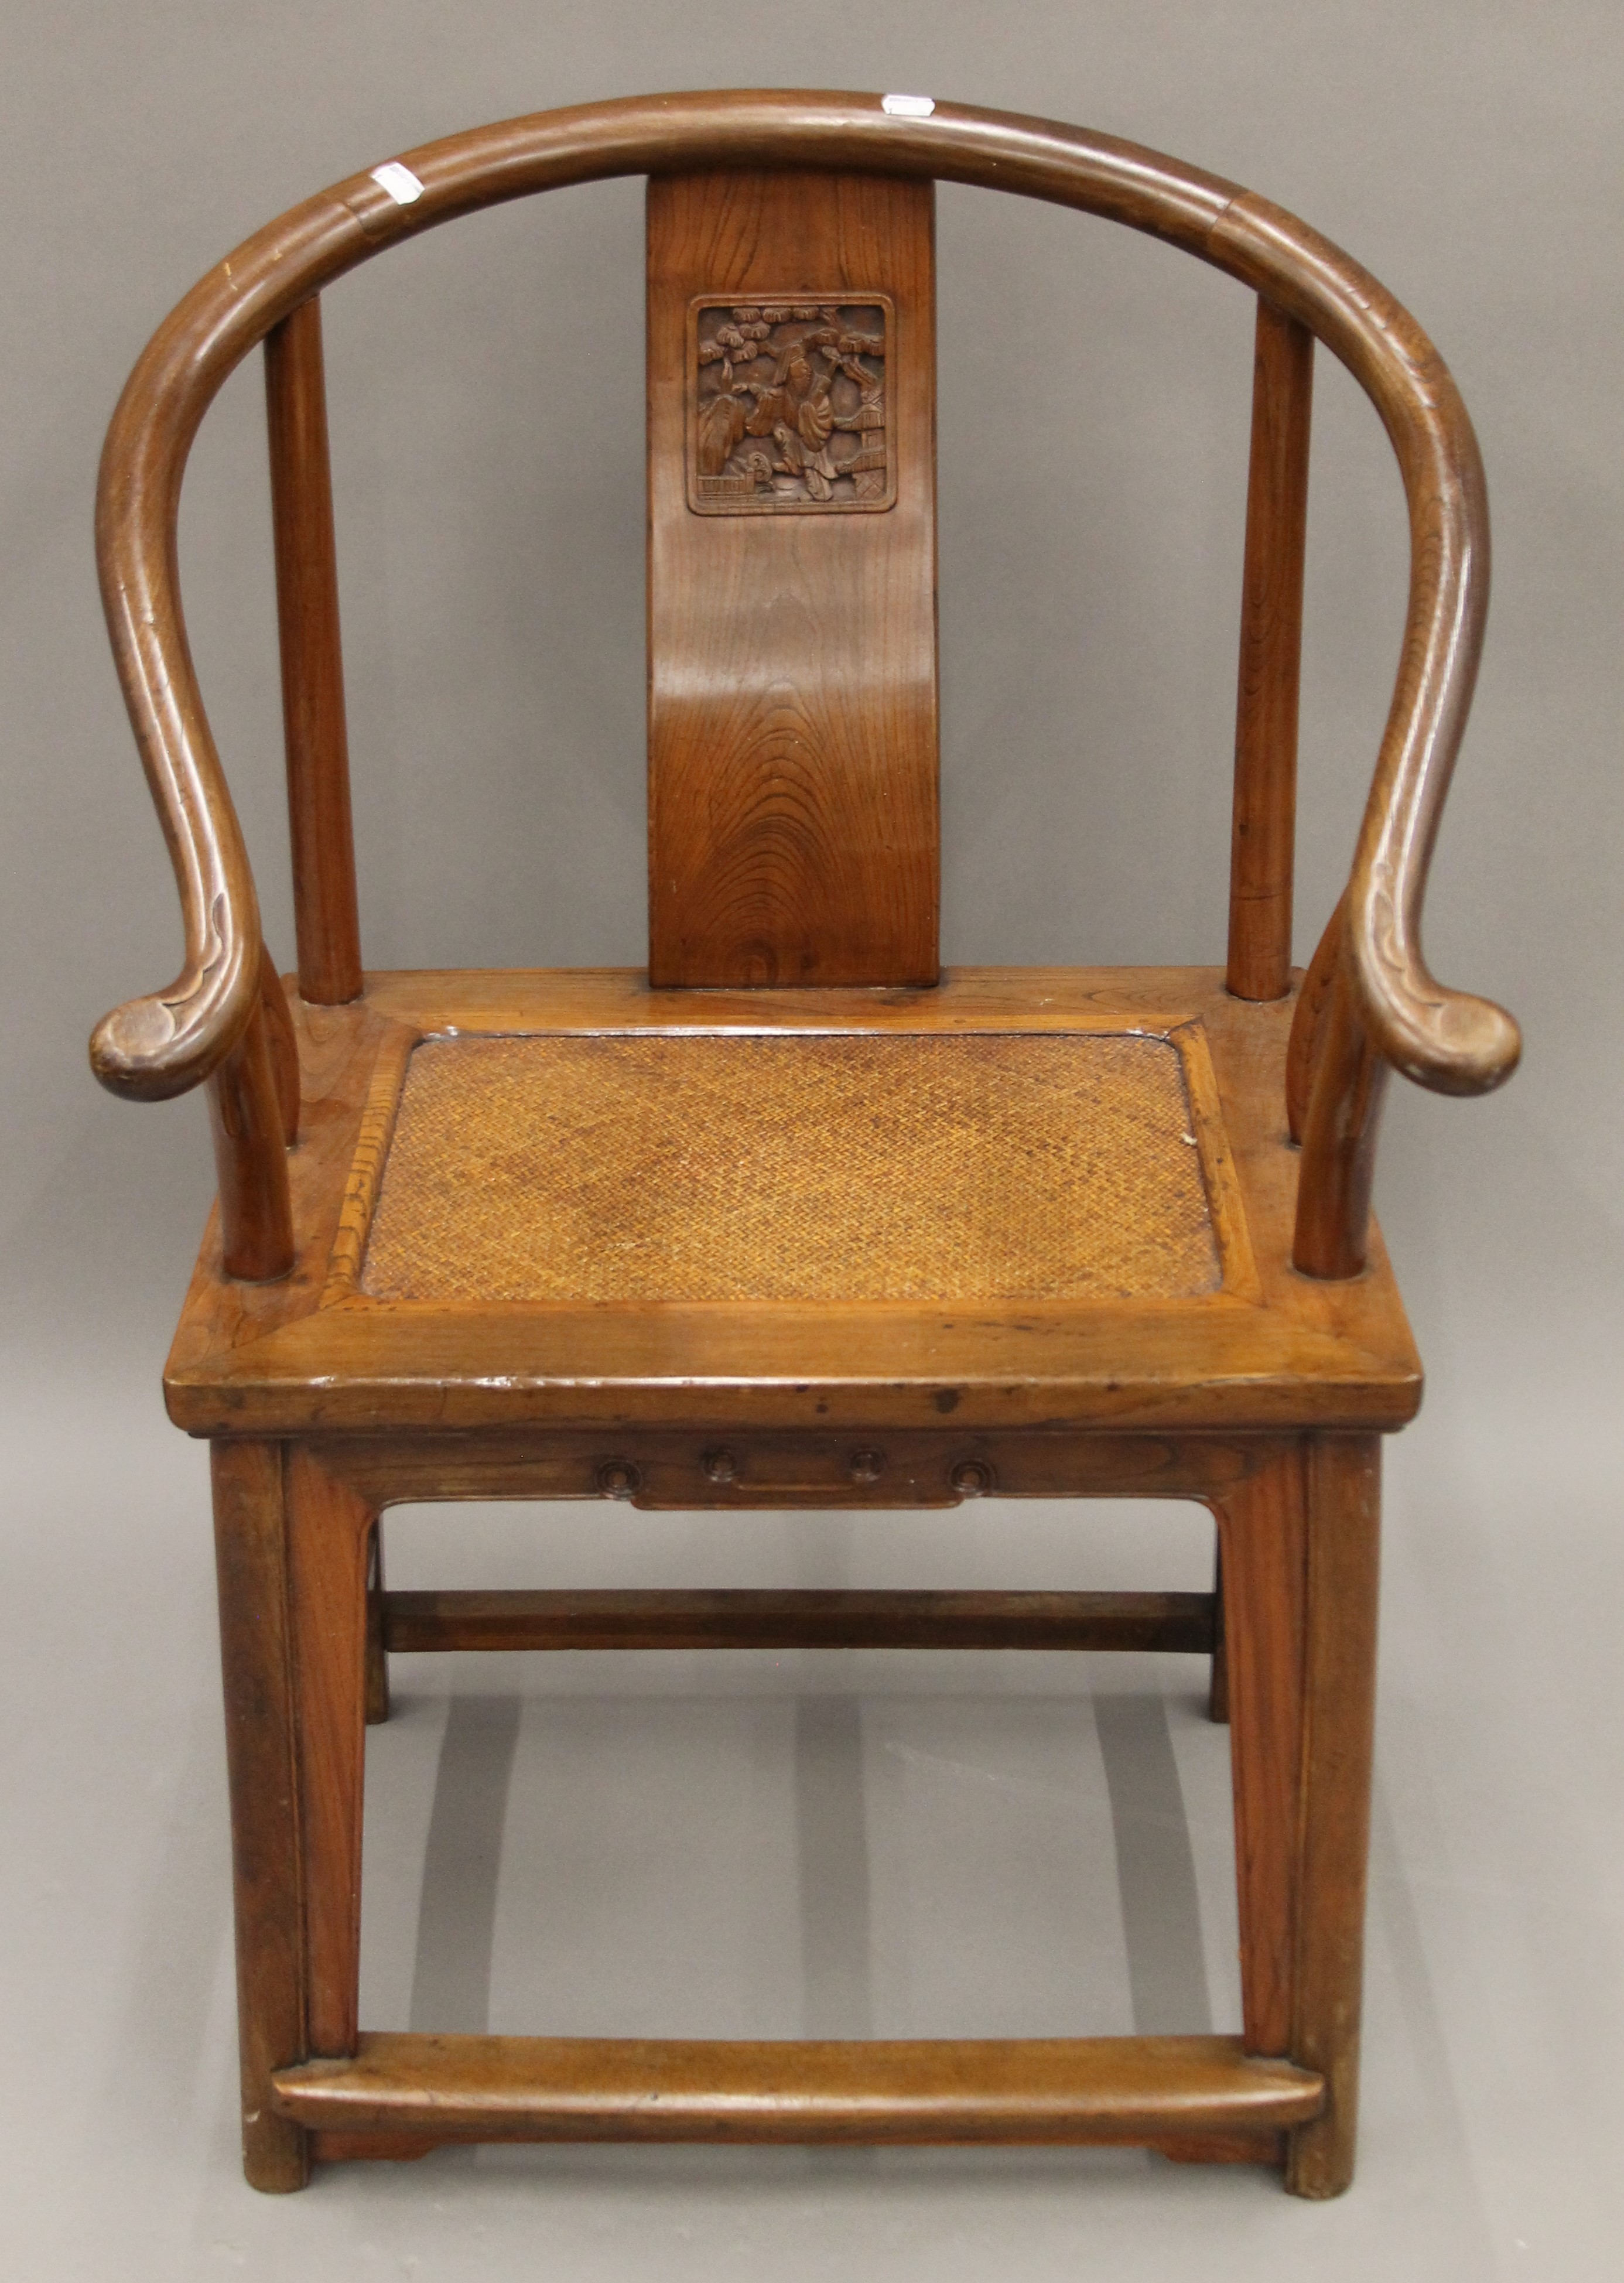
(787, 405)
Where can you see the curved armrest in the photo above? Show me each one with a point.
(1445, 1039)
(166, 1043)
(162, 1045)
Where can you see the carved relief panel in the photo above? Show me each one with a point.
(787, 405)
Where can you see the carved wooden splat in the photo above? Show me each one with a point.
(789, 407)
(792, 663)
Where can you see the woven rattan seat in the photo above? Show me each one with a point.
(793, 1217)
(981, 1168)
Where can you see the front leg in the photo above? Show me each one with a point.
(1299, 1546)
(330, 1529)
(256, 1655)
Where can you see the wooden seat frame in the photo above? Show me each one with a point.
(1265, 1400)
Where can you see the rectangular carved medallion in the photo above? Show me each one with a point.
(786, 404)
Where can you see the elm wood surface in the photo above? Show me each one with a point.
(1244, 1397)
(665, 1469)
(1271, 1348)
(1029, 2090)
(808, 1619)
(1339, 1140)
(282, 1043)
(325, 914)
(1217, 1689)
(1256, 2145)
(161, 1045)
(328, 1531)
(1309, 1021)
(1261, 1525)
(793, 832)
(247, 1122)
(256, 1654)
(309, 1531)
(1343, 1485)
(377, 1661)
(1263, 834)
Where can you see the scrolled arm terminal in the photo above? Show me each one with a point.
(164, 1044)
(1448, 1041)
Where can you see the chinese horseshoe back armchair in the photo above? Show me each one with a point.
(794, 1218)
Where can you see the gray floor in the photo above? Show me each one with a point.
(800, 1844)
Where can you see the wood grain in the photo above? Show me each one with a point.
(325, 913)
(668, 1468)
(1263, 839)
(377, 1689)
(1344, 1510)
(246, 1120)
(1272, 1349)
(169, 1040)
(1338, 1140)
(1263, 1527)
(1027, 2090)
(282, 1044)
(1217, 1687)
(793, 831)
(1309, 1021)
(793, 838)
(328, 1533)
(1442, 1039)
(256, 1657)
(807, 1619)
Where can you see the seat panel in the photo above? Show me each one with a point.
(987, 1166)
(1112, 1068)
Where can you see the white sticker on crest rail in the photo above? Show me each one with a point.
(402, 184)
(908, 106)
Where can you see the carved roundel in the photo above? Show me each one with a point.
(789, 409)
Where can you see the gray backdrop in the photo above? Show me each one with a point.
(486, 395)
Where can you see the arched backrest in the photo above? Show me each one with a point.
(1375, 1002)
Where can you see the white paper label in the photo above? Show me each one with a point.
(908, 106)
(402, 184)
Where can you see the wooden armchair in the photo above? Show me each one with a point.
(795, 1218)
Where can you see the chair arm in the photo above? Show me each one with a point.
(170, 1040)
(1444, 1039)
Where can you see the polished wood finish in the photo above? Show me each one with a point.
(807, 1619)
(166, 1043)
(793, 839)
(1269, 1350)
(248, 1121)
(1262, 1527)
(1263, 834)
(661, 1470)
(1217, 1685)
(1338, 1140)
(323, 846)
(1309, 1021)
(1019, 2090)
(1258, 2144)
(282, 1044)
(1344, 1526)
(256, 1650)
(329, 1528)
(793, 829)
(377, 1687)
